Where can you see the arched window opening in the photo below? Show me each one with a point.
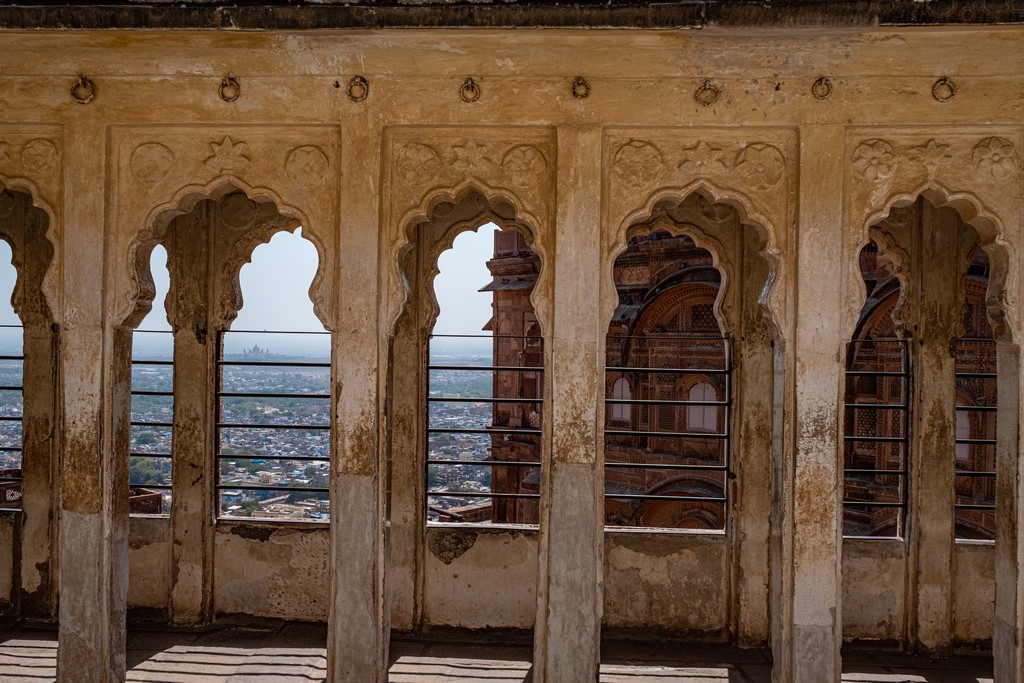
(485, 383)
(877, 410)
(621, 410)
(702, 413)
(12, 405)
(152, 402)
(667, 468)
(975, 482)
(273, 392)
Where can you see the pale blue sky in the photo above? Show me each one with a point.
(275, 285)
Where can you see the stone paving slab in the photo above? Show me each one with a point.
(295, 653)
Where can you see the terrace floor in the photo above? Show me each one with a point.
(288, 652)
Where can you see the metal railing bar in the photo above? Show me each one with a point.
(256, 394)
(242, 425)
(666, 466)
(495, 430)
(485, 463)
(489, 368)
(684, 499)
(667, 435)
(481, 494)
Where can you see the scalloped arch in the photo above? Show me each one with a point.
(28, 187)
(524, 221)
(185, 199)
(974, 212)
(748, 216)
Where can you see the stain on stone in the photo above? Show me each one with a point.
(450, 545)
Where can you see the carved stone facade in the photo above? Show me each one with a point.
(781, 153)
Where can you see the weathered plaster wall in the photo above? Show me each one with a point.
(271, 572)
(482, 579)
(874, 589)
(7, 566)
(973, 593)
(667, 582)
(149, 562)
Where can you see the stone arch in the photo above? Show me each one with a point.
(975, 214)
(449, 213)
(258, 216)
(34, 296)
(655, 213)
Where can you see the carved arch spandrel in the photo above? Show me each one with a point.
(978, 174)
(512, 168)
(751, 170)
(164, 171)
(31, 162)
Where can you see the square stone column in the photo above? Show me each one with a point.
(358, 624)
(567, 636)
(807, 586)
(1008, 628)
(95, 376)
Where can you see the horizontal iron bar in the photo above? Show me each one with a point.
(665, 435)
(10, 418)
(684, 499)
(12, 358)
(247, 487)
(665, 466)
(968, 506)
(242, 425)
(850, 470)
(980, 442)
(13, 387)
(660, 402)
(489, 368)
(166, 487)
(977, 375)
(485, 463)
(877, 406)
(138, 392)
(495, 430)
(138, 423)
(977, 409)
(315, 458)
(877, 439)
(167, 363)
(149, 455)
(485, 336)
(973, 473)
(256, 394)
(877, 373)
(688, 371)
(454, 399)
(873, 504)
(313, 332)
(269, 364)
(482, 494)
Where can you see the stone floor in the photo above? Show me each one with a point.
(277, 652)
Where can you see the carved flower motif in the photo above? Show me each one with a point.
(5, 153)
(39, 156)
(306, 164)
(470, 157)
(761, 166)
(874, 159)
(931, 155)
(523, 165)
(227, 155)
(416, 163)
(150, 162)
(996, 156)
(638, 163)
(702, 157)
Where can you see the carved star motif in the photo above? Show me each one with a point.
(931, 155)
(702, 157)
(227, 155)
(470, 156)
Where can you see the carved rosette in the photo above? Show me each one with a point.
(33, 156)
(751, 170)
(161, 169)
(985, 168)
(440, 162)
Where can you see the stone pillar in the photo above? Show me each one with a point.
(1008, 629)
(190, 246)
(567, 636)
(358, 625)
(938, 275)
(752, 377)
(808, 622)
(95, 362)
